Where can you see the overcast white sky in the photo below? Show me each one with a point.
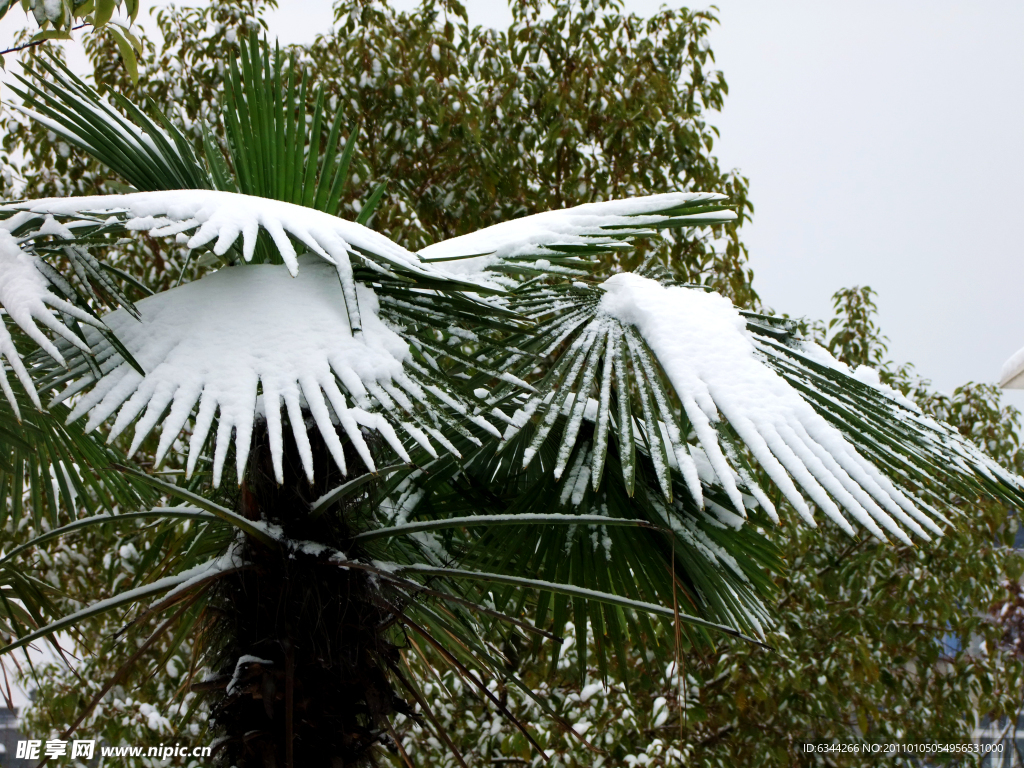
(883, 141)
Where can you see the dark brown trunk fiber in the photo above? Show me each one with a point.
(303, 654)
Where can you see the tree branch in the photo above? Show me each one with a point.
(34, 43)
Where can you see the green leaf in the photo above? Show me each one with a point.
(106, 519)
(131, 37)
(51, 34)
(371, 204)
(493, 521)
(80, 115)
(127, 52)
(576, 592)
(104, 11)
(345, 489)
(122, 599)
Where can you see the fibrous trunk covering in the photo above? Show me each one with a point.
(304, 649)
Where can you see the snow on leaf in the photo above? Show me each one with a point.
(701, 343)
(223, 216)
(10, 353)
(25, 296)
(863, 373)
(240, 669)
(603, 224)
(24, 293)
(218, 340)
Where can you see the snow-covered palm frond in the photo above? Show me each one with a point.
(919, 454)
(564, 242)
(223, 217)
(27, 300)
(25, 294)
(219, 341)
(295, 336)
(681, 372)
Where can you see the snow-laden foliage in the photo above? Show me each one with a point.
(702, 344)
(568, 443)
(224, 216)
(554, 241)
(218, 341)
(286, 339)
(26, 299)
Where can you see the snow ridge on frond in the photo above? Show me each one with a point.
(718, 373)
(554, 241)
(219, 341)
(223, 216)
(26, 298)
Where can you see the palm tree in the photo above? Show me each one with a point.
(438, 456)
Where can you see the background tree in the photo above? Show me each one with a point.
(629, 115)
(57, 19)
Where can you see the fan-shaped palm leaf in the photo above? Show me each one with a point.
(683, 372)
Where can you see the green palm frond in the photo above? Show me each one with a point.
(149, 154)
(52, 472)
(55, 479)
(706, 561)
(928, 457)
(273, 149)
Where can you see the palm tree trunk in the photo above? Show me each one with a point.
(301, 640)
